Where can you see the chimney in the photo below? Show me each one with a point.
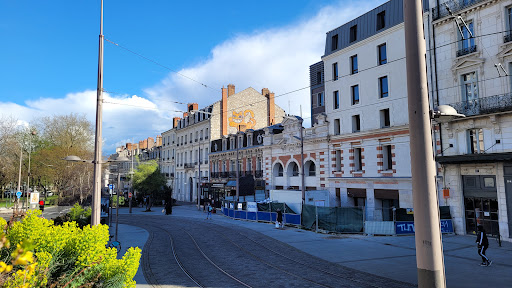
(185, 114)
(271, 109)
(175, 122)
(224, 112)
(231, 89)
(192, 106)
(265, 92)
(159, 140)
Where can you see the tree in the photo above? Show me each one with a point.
(148, 180)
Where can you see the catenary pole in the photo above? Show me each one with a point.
(429, 249)
(96, 193)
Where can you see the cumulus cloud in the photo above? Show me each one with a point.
(277, 58)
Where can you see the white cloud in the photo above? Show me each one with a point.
(277, 59)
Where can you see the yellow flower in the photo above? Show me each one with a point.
(25, 258)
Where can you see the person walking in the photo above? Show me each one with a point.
(168, 207)
(209, 208)
(279, 219)
(483, 244)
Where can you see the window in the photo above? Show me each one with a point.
(387, 158)
(353, 64)
(384, 118)
(338, 160)
(206, 134)
(185, 139)
(466, 41)
(240, 143)
(383, 59)
(334, 42)
(383, 87)
(336, 99)
(509, 19)
(335, 71)
(201, 135)
(353, 33)
(356, 123)
(278, 170)
(381, 20)
(249, 164)
(232, 165)
(355, 94)
(318, 77)
(190, 137)
(475, 141)
(312, 169)
(358, 160)
(294, 169)
(197, 136)
(320, 99)
(469, 86)
(249, 140)
(337, 127)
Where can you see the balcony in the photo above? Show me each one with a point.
(507, 37)
(454, 5)
(232, 174)
(466, 51)
(259, 174)
(224, 174)
(487, 105)
(190, 165)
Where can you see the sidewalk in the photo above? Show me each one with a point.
(388, 256)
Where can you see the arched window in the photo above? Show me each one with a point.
(312, 169)
(278, 170)
(293, 170)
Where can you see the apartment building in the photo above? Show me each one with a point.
(366, 105)
(235, 112)
(473, 58)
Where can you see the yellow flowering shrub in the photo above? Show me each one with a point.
(46, 254)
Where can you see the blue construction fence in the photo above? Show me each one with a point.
(264, 212)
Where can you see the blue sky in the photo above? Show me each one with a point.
(50, 51)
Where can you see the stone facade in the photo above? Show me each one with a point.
(474, 152)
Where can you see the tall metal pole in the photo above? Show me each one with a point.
(429, 246)
(117, 199)
(237, 175)
(199, 181)
(303, 189)
(131, 183)
(19, 178)
(96, 193)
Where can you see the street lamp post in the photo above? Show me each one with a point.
(32, 133)
(19, 179)
(96, 193)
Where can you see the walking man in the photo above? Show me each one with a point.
(279, 219)
(209, 208)
(483, 244)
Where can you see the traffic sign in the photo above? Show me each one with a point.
(34, 197)
(18, 194)
(129, 194)
(110, 186)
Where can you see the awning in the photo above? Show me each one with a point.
(475, 158)
(231, 183)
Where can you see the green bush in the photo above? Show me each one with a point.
(121, 201)
(65, 255)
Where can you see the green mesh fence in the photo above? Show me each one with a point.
(336, 219)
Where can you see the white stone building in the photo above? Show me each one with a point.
(366, 105)
(475, 152)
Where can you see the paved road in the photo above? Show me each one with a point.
(49, 212)
(183, 251)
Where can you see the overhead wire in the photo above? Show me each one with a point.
(296, 90)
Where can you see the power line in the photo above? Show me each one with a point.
(161, 65)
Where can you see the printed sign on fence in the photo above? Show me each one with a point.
(252, 207)
(407, 227)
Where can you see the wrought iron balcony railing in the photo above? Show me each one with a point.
(259, 174)
(486, 105)
(190, 165)
(454, 6)
(224, 174)
(232, 174)
(465, 51)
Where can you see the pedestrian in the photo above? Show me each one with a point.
(168, 207)
(209, 208)
(483, 244)
(279, 219)
(145, 201)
